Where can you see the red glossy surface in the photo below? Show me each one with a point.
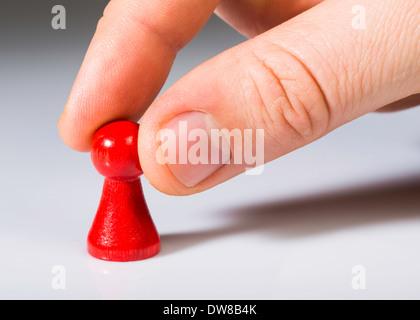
(123, 229)
(114, 151)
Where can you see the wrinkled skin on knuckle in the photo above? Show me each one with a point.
(286, 100)
(394, 50)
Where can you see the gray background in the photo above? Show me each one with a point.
(296, 231)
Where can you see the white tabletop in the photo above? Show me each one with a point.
(298, 230)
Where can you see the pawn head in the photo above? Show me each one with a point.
(114, 151)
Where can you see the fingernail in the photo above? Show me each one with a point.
(194, 147)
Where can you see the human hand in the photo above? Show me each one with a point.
(305, 71)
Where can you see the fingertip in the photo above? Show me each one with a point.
(71, 136)
(127, 63)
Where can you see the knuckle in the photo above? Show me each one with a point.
(288, 97)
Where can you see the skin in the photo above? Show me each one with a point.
(304, 72)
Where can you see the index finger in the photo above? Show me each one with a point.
(127, 63)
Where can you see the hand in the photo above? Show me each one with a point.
(305, 71)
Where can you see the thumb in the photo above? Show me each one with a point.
(280, 91)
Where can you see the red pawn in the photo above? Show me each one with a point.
(123, 229)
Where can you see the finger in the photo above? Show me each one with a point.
(252, 17)
(406, 103)
(127, 62)
(297, 82)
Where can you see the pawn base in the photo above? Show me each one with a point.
(123, 229)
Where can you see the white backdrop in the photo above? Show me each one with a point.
(296, 231)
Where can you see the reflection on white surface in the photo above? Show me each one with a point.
(114, 280)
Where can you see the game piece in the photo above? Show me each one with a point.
(123, 229)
